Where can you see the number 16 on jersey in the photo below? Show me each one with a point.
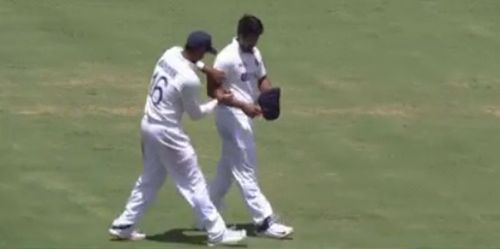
(159, 84)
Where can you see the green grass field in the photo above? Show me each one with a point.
(389, 138)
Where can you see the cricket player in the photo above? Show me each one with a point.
(166, 148)
(246, 78)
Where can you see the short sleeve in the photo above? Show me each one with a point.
(261, 70)
(222, 63)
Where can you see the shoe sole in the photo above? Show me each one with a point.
(285, 236)
(239, 242)
(232, 243)
(116, 236)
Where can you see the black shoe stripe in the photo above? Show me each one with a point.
(264, 225)
(122, 227)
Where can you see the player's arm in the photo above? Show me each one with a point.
(191, 103)
(211, 72)
(214, 84)
(265, 84)
(216, 90)
(214, 80)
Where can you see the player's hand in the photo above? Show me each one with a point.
(251, 110)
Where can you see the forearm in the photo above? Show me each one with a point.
(212, 80)
(212, 87)
(232, 102)
(265, 84)
(197, 111)
(215, 90)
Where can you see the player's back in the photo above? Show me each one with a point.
(164, 103)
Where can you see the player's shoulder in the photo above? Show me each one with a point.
(227, 53)
(189, 78)
(226, 50)
(257, 54)
(170, 59)
(172, 52)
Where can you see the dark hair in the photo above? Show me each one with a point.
(250, 25)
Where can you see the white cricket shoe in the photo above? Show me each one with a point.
(126, 233)
(229, 237)
(272, 229)
(276, 231)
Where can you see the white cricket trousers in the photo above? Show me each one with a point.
(182, 165)
(238, 161)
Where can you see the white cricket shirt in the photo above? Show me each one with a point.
(174, 89)
(243, 71)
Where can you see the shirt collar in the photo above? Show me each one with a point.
(182, 58)
(236, 44)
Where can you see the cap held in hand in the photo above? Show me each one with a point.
(269, 102)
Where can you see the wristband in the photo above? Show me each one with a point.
(200, 65)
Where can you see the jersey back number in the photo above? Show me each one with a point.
(158, 87)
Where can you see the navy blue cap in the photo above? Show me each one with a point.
(269, 102)
(200, 39)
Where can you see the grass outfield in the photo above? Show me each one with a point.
(389, 138)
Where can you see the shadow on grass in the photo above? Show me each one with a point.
(195, 237)
(250, 228)
(180, 235)
(184, 236)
